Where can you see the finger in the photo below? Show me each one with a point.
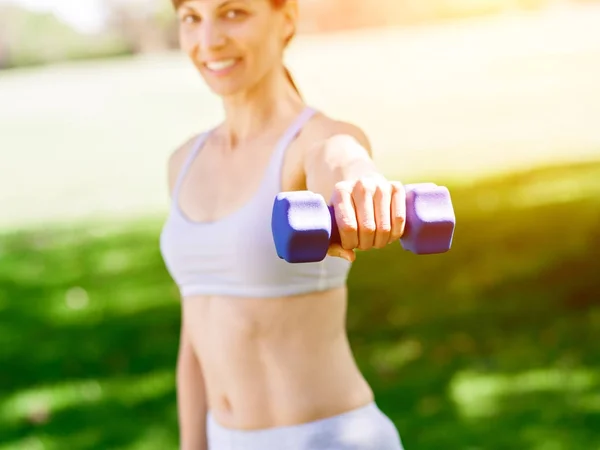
(382, 202)
(338, 251)
(363, 194)
(398, 211)
(345, 216)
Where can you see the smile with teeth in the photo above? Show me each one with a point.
(219, 66)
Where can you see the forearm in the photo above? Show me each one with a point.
(369, 210)
(340, 158)
(191, 400)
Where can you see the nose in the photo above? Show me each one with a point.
(211, 36)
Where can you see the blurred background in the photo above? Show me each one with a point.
(493, 345)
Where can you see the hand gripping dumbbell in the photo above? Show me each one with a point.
(303, 225)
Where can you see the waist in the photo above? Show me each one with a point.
(362, 428)
(272, 362)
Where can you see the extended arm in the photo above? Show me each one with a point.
(370, 210)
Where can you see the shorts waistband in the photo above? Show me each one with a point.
(307, 435)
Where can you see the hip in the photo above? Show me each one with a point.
(303, 393)
(363, 428)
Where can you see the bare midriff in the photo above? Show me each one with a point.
(271, 362)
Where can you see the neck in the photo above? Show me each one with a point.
(246, 113)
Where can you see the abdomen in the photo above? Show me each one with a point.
(275, 361)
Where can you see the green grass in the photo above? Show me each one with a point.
(492, 346)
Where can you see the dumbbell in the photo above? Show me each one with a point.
(303, 225)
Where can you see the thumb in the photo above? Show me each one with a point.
(338, 251)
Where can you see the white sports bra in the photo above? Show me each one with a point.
(235, 255)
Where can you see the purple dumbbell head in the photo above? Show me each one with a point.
(430, 219)
(303, 226)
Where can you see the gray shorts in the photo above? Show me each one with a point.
(366, 428)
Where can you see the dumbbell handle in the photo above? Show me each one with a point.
(406, 238)
(429, 203)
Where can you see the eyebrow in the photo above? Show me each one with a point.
(187, 5)
(227, 2)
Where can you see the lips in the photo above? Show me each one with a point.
(222, 65)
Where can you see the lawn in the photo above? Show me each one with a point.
(492, 346)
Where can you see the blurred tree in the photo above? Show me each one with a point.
(166, 20)
(146, 25)
(32, 38)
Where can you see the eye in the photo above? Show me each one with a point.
(190, 19)
(233, 14)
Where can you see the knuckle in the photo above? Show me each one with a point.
(349, 245)
(365, 243)
(397, 186)
(385, 228)
(398, 189)
(382, 191)
(347, 227)
(349, 241)
(382, 241)
(343, 186)
(368, 228)
(397, 233)
(365, 186)
(393, 238)
(383, 238)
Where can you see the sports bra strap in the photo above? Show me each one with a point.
(290, 134)
(199, 142)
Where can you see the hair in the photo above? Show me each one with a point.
(276, 4)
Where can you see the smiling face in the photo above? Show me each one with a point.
(235, 43)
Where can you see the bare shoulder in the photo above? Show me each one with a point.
(177, 159)
(324, 129)
(316, 136)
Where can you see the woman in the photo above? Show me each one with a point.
(264, 361)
